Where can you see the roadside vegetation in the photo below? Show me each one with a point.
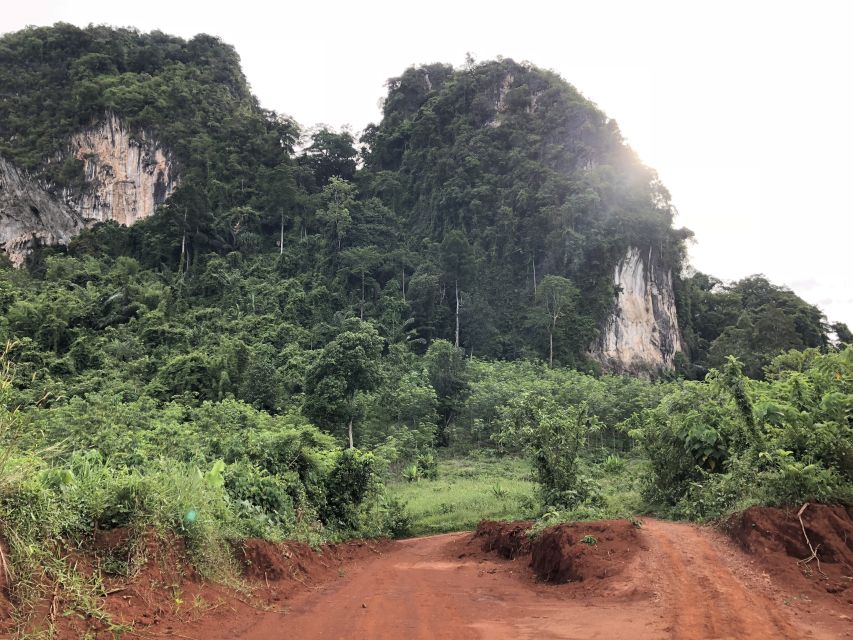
(518, 440)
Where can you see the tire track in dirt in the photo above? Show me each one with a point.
(706, 599)
(685, 583)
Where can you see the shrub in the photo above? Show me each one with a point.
(554, 436)
(613, 464)
(351, 483)
(412, 473)
(427, 466)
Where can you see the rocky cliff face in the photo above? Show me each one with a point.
(127, 174)
(642, 335)
(30, 215)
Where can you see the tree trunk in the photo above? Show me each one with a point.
(551, 341)
(183, 251)
(457, 312)
(534, 276)
(361, 308)
(404, 284)
(281, 237)
(351, 443)
(183, 244)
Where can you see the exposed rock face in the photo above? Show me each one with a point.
(126, 175)
(30, 215)
(641, 336)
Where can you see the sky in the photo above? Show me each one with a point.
(745, 109)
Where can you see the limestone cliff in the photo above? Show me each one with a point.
(126, 175)
(30, 215)
(641, 336)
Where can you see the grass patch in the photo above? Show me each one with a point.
(467, 491)
(620, 488)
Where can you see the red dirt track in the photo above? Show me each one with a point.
(663, 580)
(683, 582)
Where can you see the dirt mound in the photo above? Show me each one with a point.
(774, 536)
(579, 551)
(508, 539)
(110, 541)
(265, 561)
(571, 552)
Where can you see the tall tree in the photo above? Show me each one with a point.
(337, 198)
(457, 261)
(347, 366)
(557, 297)
(359, 261)
(843, 333)
(448, 376)
(331, 155)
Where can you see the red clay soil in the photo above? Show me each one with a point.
(571, 552)
(165, 597)
(5, 602)
(507, 539)
(663, 580)
(774, 537)
(584, 551)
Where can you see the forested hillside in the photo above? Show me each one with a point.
(517, 177)
(437, 285)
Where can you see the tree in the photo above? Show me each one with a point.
(554, 435)
(457, 262)
(360, 261)
(843, 333)
(447, 375)
(331, 155)
(278, 189)
(557, 297)
(758, 337)
(346, 366)
(260, 384)
(337, 199)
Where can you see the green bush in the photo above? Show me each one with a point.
(729, 442)
(613, 464)
(350, 484)
(427, 466)
(554, 436)
(260, 494)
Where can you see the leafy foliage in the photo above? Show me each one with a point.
(751, 319)
(732, 441)
(514, 164)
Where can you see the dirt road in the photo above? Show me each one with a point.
(686, 583)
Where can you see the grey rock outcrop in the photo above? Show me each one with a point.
(641, 336)
(127, 174)
(30, 215)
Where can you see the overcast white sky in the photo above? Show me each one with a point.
(744, 108)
